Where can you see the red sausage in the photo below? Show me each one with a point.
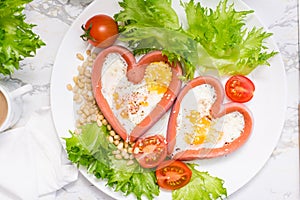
(216, 112)
(135, 73)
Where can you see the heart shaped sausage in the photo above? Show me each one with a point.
(121, 89)
(200, 126)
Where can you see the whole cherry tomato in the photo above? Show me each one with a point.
(100, 31)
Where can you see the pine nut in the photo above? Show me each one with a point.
(120, 145)
(69, 87)
(85, 64)
(130, 162)
(88, 80)
(75, 89)
(99, 123)
(101, 117)
(79, 100)
(126, 156)
(110, 139)
(94, 55)
(104, 122)
(116, 152)
(80, 85)
(116, 137)
(129, 150)
(86, 111)
(112, 133)
(131, 157)
(87, 73)
(88, 52)
(131, 144)
(126, 145)
(79, 56)
(75, 97)
(89, 88)
(108, 127)
(123, 152)
(116, 142)
(118, 156)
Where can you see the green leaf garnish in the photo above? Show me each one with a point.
(17, 40)
(213, 39)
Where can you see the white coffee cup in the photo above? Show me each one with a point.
(11, 105)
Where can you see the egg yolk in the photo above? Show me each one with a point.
(158, 76)
(200, 128)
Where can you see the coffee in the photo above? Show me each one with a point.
(3, 108)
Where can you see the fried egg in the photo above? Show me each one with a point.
(197, 129)
(130, 102)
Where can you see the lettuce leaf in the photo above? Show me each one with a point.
(176, 45)
(234, 49)
(202, 186)
(17, 40)
(92, 150)
(149, 13)
(213, 39)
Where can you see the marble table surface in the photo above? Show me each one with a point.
(279, 178)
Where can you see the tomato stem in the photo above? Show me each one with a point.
(87, 33)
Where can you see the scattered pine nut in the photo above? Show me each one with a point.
(130, 162)
(75, 79)
(89, 112)
(101, 117)
(80, 56)
(110, 139)
(104, 122)
(108, 127)
(112, 133)
(116, 152)
(69, 87)
(120, 146)
(117, 137)
(99, 123)
(126, 156)
(130, 150)
(88, 52)
(131, 157)
(116, 142)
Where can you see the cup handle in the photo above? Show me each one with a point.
(21, 91)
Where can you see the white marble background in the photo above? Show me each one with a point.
(278, 180)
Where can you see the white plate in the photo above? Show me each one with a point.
(268, 105)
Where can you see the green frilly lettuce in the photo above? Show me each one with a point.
(212, 39)
(92, 150)
(17, 40)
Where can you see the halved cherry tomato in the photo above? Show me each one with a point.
(100, 30)
(239, 88)
(150, 151)
(173, 174)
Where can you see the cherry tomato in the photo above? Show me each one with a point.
(150, 151)
(173, 174)
(100, 30)
(239, 88)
